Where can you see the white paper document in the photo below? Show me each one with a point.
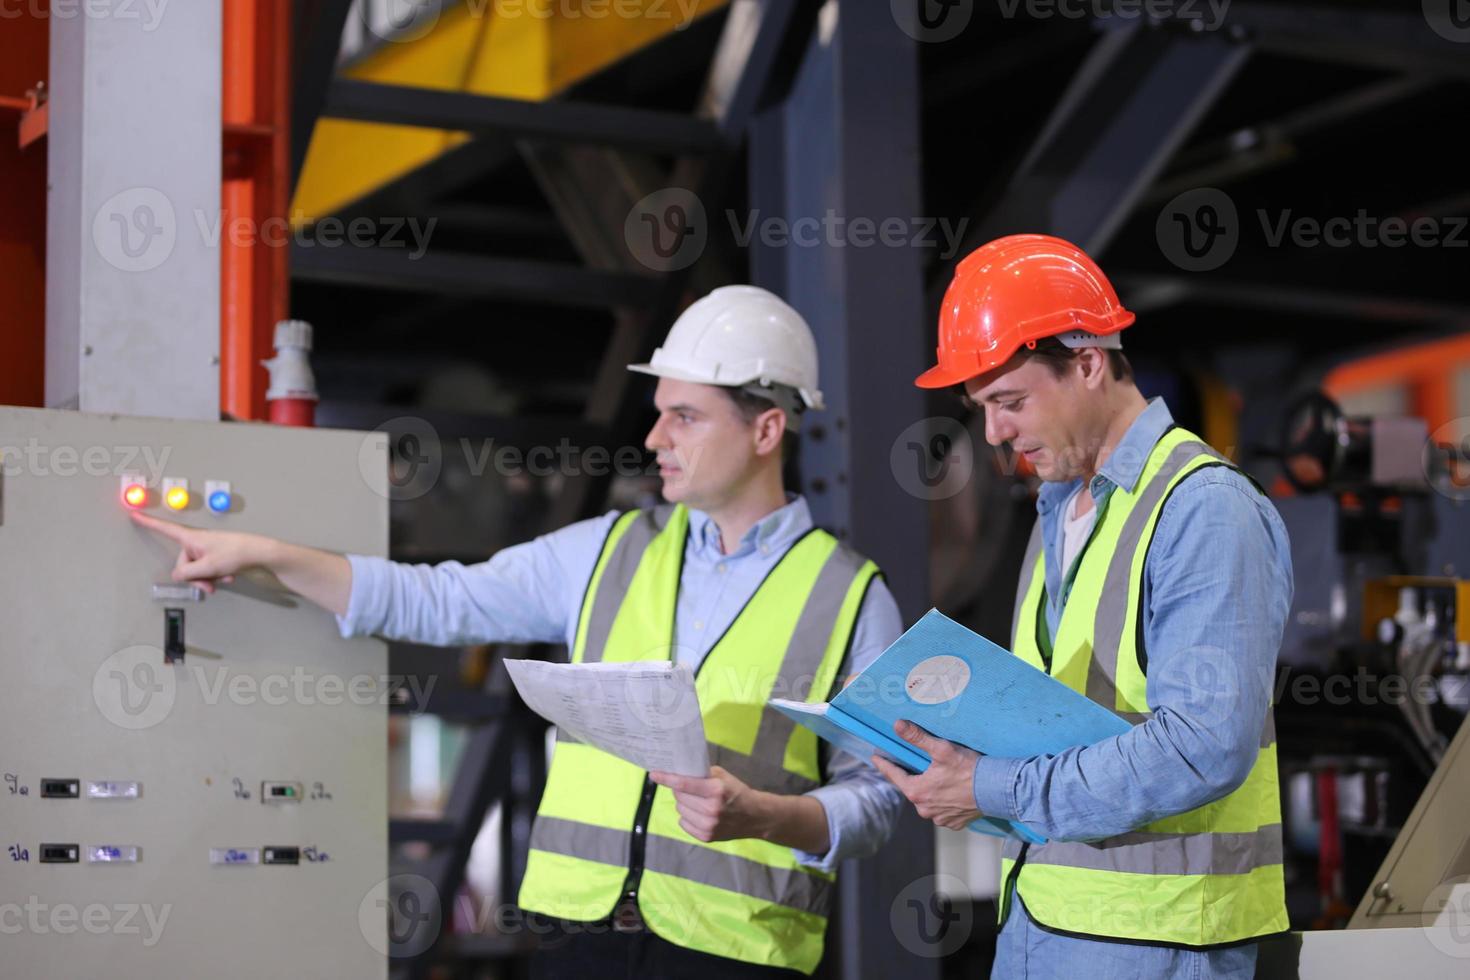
(646, 713)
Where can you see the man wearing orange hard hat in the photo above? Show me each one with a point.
(1156, 583)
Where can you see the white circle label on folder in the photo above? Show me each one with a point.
(937, 679)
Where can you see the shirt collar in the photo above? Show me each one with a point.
(774, 532)
(1124, 465)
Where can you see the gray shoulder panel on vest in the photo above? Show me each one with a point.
(1113, 604)
(617, 576)
(1028, 571)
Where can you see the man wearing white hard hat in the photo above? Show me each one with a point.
(650, 874)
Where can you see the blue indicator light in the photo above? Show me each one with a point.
(219, 501)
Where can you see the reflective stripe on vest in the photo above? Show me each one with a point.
(748, 900)
(1215, 872)
(780, 886)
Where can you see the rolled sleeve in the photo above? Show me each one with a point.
(995, 786)
(861, 811)
(365, 605)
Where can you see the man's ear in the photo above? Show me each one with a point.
(770, 427)
(1092, 362)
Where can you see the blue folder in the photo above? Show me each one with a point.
(959, 686)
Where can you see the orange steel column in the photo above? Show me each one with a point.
(24, 54)
(255, 234)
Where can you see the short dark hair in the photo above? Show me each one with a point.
(750, 405)
(1058, 356)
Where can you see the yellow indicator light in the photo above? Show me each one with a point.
(177, 498)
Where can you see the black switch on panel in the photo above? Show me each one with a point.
(173, 636)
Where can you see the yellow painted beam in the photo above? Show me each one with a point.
(521, 49)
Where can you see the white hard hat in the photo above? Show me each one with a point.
(739, 336)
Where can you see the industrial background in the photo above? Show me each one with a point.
(485, 209)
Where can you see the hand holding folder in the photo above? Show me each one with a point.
(959, 686)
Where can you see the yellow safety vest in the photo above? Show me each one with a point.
(604, 829)
(1208, 877)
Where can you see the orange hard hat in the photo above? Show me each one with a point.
(1016, 290)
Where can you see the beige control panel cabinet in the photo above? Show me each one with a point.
(189, 787)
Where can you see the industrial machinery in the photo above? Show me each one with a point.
(192, 785)
(1374, 674)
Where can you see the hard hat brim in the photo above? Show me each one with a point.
(941, 376)
(675, 374)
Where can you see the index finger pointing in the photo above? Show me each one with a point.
(170, 530)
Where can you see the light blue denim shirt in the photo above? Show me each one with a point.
(532, 593)
(1217, 587)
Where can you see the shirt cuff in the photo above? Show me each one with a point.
(365, 600)
(841, 809)
(995, 786)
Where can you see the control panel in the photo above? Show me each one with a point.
(190, 784)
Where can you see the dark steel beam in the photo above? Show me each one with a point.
(1135, 98)
(471, 275)
(745, 62)
(847, 139)
(316, 40)
(1149, 293)
(1271, 144)
(571, 122)
(591, 189)
(495, 222)
(1348, 34)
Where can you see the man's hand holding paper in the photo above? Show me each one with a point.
(646, 713)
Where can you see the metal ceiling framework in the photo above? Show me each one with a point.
(316, 40)
(1136, 97)
(1145, 85)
